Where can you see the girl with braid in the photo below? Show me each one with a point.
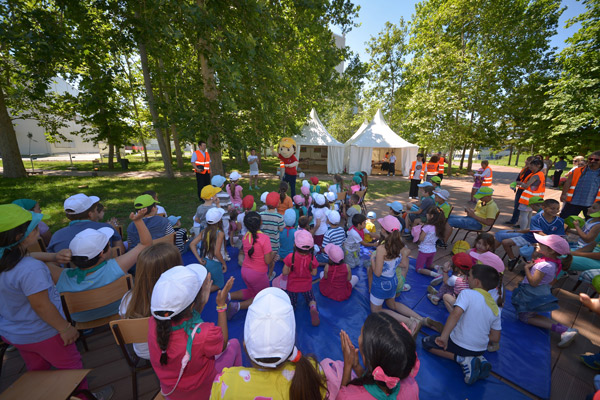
(187, 353)
(258, 256)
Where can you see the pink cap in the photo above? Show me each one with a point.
(389, 223)
(555, 242)
(335, 252)
(489, 258)
(303, 240)
(298, 200)
(305, 190)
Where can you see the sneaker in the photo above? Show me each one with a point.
(256, 187)
(106, 393)
(432, 290)
(434, 299)
(437, 279)
(512, 263)
(437, 268)
(493, 346)
(433, 324)
(314, 317)
(485, 368)
(566, 338)
(509, 222)
(591, 361)
(406, 287)
(470, 367)
(232, 309)
(441, 243)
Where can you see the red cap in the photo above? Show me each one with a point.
(314, 180)
(462, 261)
(272, 199)
(248, 201)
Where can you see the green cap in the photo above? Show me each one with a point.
(596, 283)
(12, 215)
(513, 185)
(573, 219)
(595, 215)
(436, 179)
(143, 201)
(357, 179)
(536, 200)
(27, 204)
(484, 191)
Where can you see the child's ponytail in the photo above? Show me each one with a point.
(393, 244)
(307, 382)
(252, 223)
(283, 187)
(163, 331)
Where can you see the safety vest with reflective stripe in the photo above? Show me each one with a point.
(487, 181)
(576, 174)
(441, 166)
(530, 192)
(413, 168)
(200, 160)
(281, 164)
(432, 168)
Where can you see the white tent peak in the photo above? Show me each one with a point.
(313, 133)
(378, 118)
(378, 134)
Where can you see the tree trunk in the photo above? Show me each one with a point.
(462, 157)
(145, 149)
(517, 158)
(152, 107)
(470, 163)
(510, 155)
(450, 156)
(111, 156)
(174, 134)
(178, 153)
(9, 147)
(135, 108)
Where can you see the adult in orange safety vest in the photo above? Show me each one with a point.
(417, 172)
(533, 185)
(582, 188)
(432, 167)
(441, 163)
(487, 179)
(201, 163)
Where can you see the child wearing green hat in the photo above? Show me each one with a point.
(157, 225)
(481, 216)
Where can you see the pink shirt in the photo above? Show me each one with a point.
(236, 198)
(261, 247)
(336, 286)
(199, 373)
(300, 278)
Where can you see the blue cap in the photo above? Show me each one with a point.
(396, 206)
(289, 217)
(173, 219)
(217, 181)
(425, 184)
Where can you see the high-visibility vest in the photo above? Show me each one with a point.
(529, 192)
(200, 160)
(413, 168)
(576, 175)
(432, 168)
(487, 181)
(281, 164)
(441, 166)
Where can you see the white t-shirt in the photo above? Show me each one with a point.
(393, 159)
(320, 214)
(141, 349)
(473, 328)
(428, 244)
(352, 242)
(253, 166)
(240, 219)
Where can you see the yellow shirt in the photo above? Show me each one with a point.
(486, 211)
(371, 228)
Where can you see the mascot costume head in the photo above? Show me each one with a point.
(287, 147)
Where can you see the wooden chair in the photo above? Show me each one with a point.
(59, 384)
(475, 230)
(128, 331)
(341, 196)
(361, 200)
(170, 238)
(74, 302)
(38, 246)
(119, 229)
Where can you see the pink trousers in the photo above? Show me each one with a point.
(230, 357)
(255, 282)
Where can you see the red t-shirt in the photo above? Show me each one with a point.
(289, 160)
(336, 286)
(300, 278)
(197, 379)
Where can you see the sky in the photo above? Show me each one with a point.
(374, 14)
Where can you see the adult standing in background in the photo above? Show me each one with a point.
(582, 188)
(441, 163)
(417, 172)
(432, 167)
(392, 167)
(253, 162)
(201, 163)
(559, 167)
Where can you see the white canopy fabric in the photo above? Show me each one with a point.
(314, 134)
(374, 141)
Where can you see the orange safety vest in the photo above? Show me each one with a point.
(281, 164)
(487, 181)
(200, 160)
(432, 168)
(529, 192)
(413, 168)
(441, 166)
(576, 175)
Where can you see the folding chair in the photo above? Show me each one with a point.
(361, 200)
(74, 302)
(170, 238)
(476, 230)
(128, 331)
(56, 384)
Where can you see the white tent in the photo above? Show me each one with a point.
(373, 142)
(317, 148)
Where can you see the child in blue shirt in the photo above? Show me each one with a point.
(286, 236)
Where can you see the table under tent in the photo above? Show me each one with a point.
(317, 150)
(367, 147)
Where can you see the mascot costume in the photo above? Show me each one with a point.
(286, 151)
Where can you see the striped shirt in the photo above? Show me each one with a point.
(335, 236)
(272, 222)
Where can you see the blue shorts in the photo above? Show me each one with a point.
(384, 288)
(216, 272)
(429, 343)
(464, 223)
(506, 234)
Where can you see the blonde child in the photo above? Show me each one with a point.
(429, 234)
(212, 239)
(180, 341)
(234, 190)
(337, 280)
(390, 255)
(300, 267)
(533, 296)
(370, 226)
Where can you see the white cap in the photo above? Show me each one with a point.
(79, 203)
(214, 215)
(333, 217)
(319, 199)
(263, 197)
(444, 194)
(305, 183)
(270, 328)
(330, 196)
(176, 289)
(371, 215)
(90, 242)
(234, 176)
